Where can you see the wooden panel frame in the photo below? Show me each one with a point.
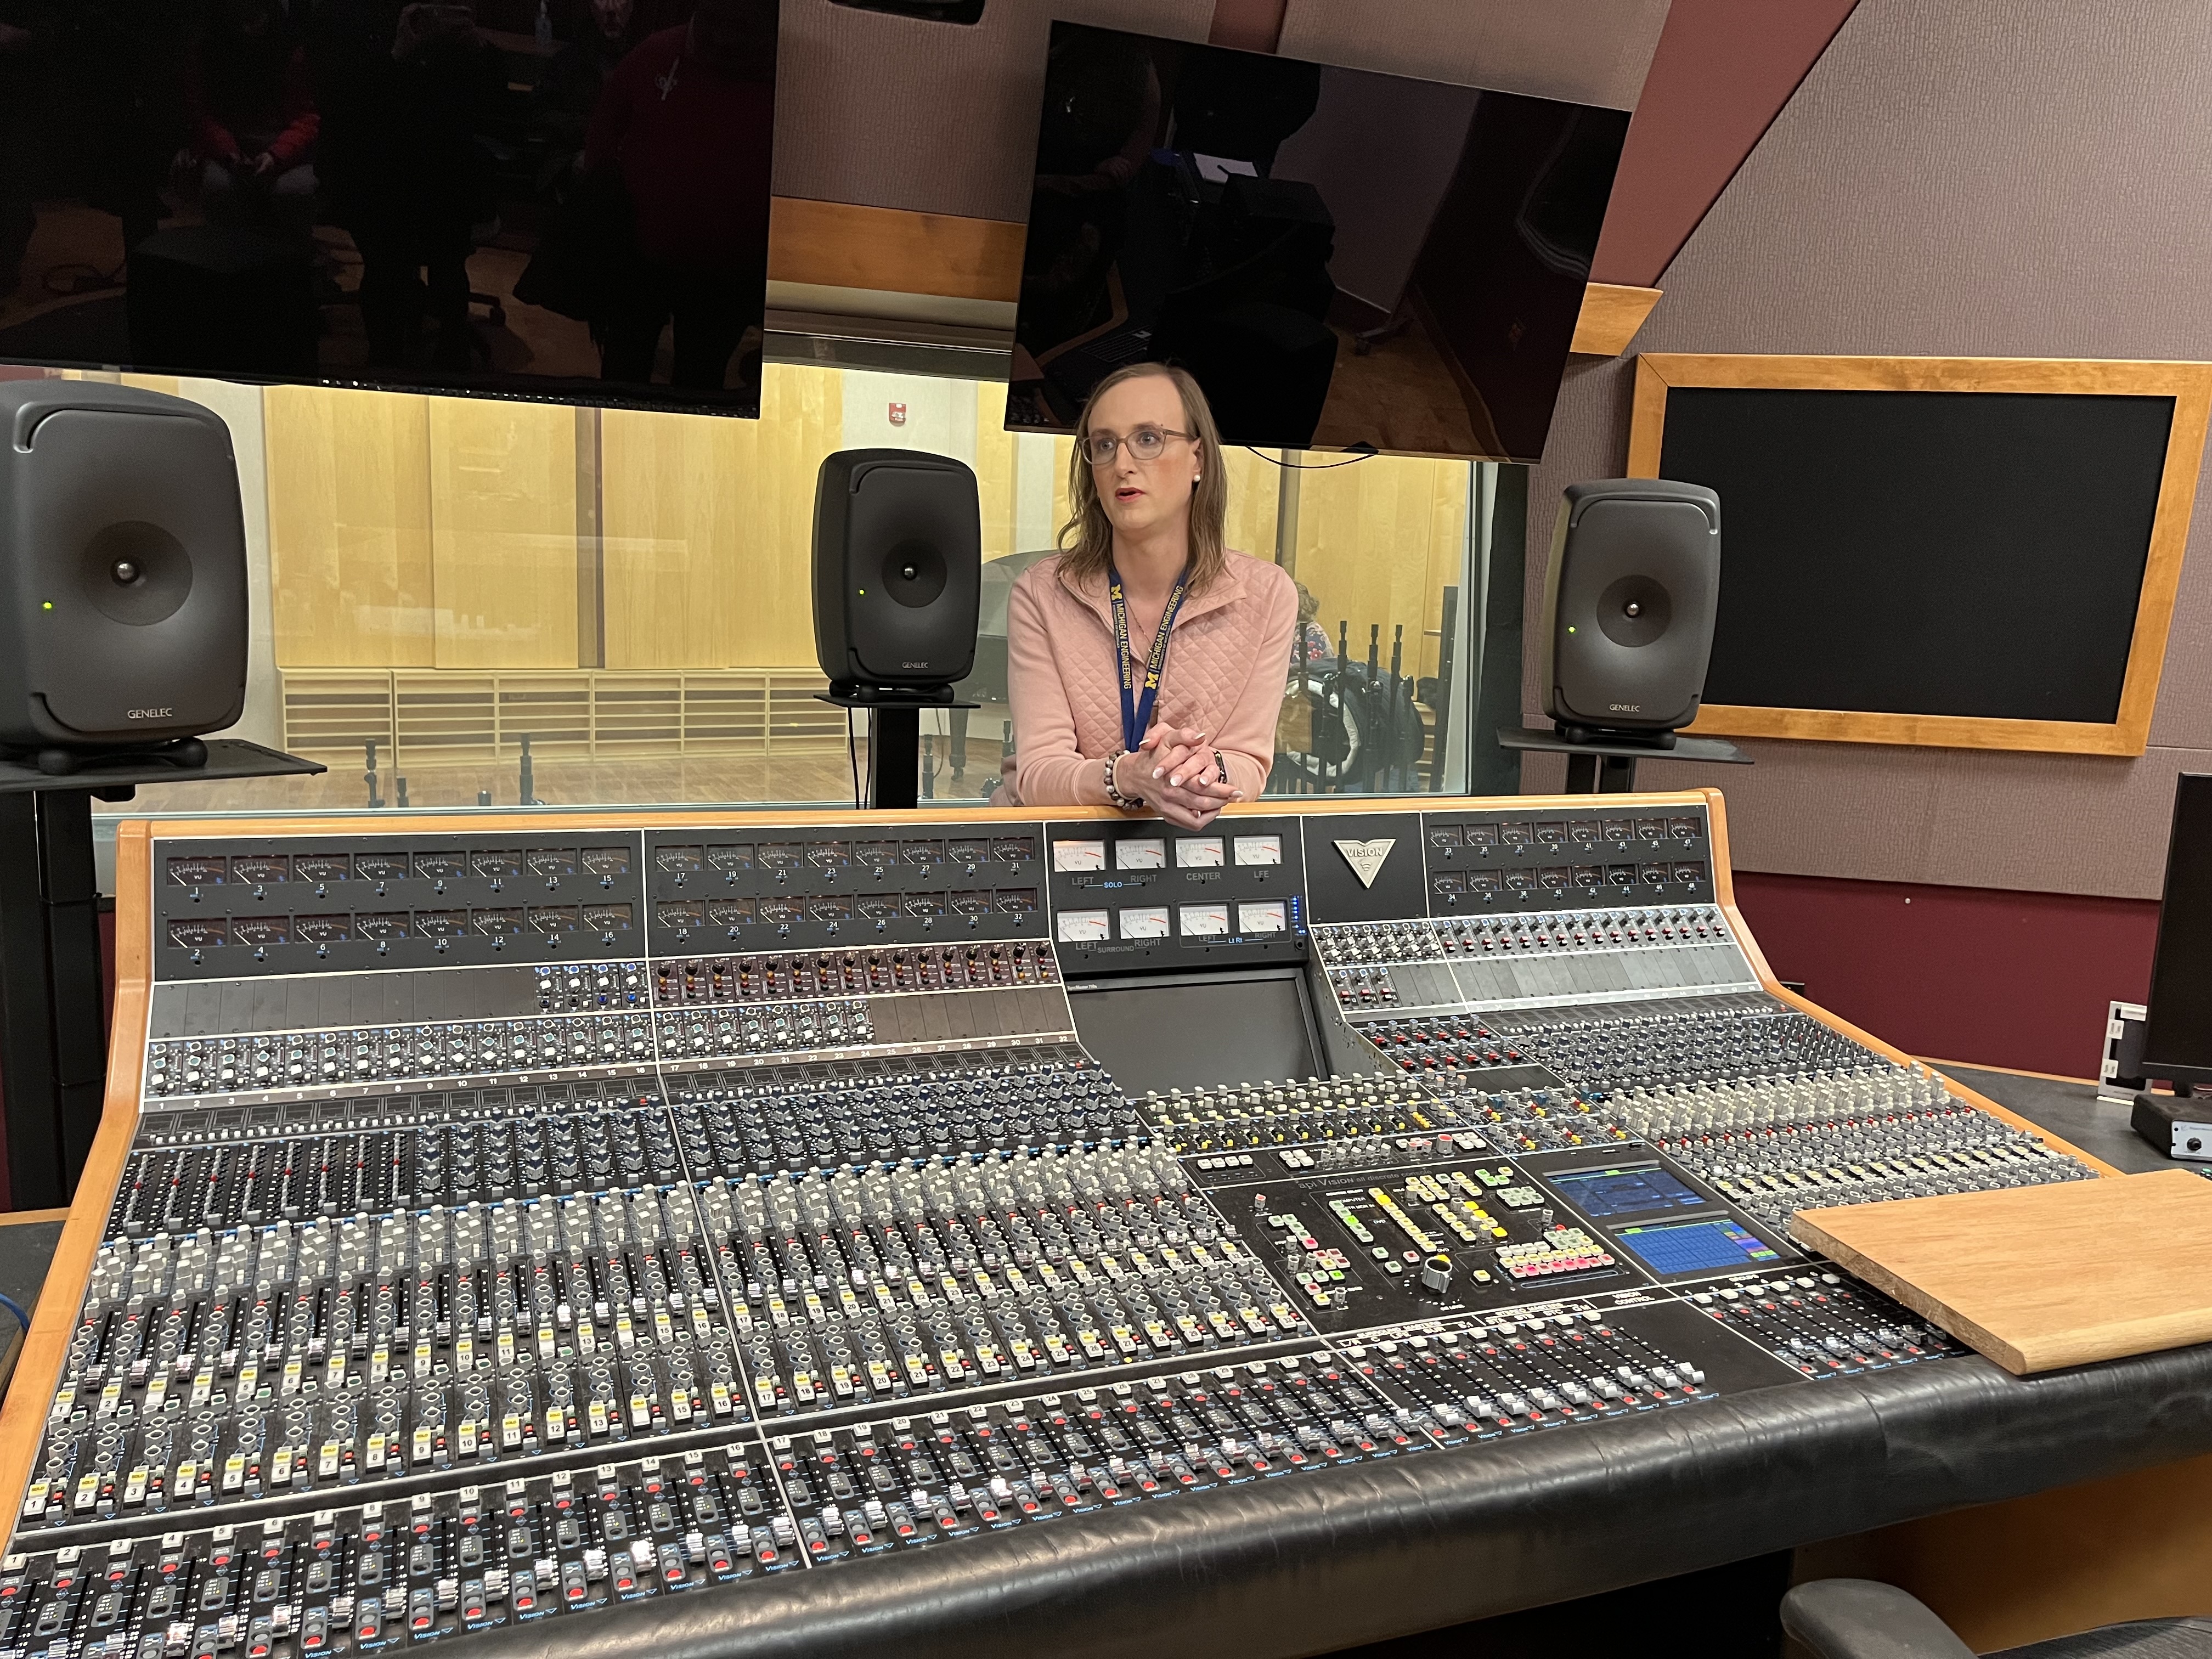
(23, 1418)
(2189, 385)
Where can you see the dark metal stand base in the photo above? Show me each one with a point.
(895, 738)
(53, 1020)
(1609, 769)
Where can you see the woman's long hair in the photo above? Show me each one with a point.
(1086, 540)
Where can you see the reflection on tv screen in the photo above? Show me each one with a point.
(1341, 257)
(543, 198)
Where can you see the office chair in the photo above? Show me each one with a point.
(1860, 1619)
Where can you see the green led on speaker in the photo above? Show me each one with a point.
(48, 605)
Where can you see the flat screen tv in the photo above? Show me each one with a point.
(559, 199)
(1342, 258)
(2178, 1034)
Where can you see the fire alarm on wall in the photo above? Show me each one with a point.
(899, 414)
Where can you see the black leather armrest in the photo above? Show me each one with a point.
(1312, 1563)
(1860, 1619)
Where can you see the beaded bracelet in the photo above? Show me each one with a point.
(1114, 789)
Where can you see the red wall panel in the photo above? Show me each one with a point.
(1722, 72)
(1969, 974)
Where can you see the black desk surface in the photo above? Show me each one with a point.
(26, 1248)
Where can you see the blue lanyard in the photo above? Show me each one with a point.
(1137, 706)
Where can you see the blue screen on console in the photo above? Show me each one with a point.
(1689, 1246)
(1638, 1190)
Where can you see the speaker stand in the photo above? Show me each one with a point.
(53, 1027)
(1599, 768)
(893, 737)
(189, 753)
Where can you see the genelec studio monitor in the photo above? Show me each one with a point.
(1629, 601)
(898, 576)
(897, 568)
(123, 600)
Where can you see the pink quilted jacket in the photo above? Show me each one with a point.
(1228, 657)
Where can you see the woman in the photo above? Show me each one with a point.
(1144, 660)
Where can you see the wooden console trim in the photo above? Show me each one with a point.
(45, 1345)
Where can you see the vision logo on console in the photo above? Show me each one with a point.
(1365, 857)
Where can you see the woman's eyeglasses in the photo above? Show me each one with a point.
(1146, 443)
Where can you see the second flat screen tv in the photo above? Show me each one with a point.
(1342, 258)
(559, 199)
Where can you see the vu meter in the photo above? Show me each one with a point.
(1202, 853)
(1259, 849)
(1149, 922)
(1078, 855)
(1199, 920)
(1263, 918)
(1085, 927)
(1140, 855)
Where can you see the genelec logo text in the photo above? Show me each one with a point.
(913, 664)
(1625, 708)
(150, 713)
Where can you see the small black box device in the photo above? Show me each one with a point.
(2178, 1125)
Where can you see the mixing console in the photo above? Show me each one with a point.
(514, 1224)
